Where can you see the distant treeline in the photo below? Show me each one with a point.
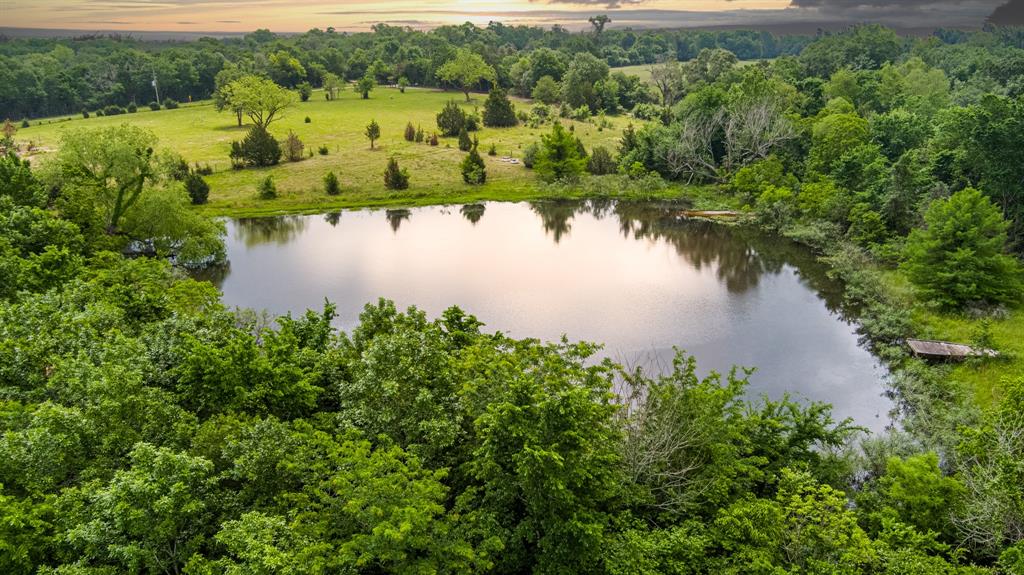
(48, 76)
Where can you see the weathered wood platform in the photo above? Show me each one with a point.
(947, 351)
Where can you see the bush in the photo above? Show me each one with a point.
(530, 155)
(308, 120)
(395, 178)
(464, 142)
(959, 258)
(451, 120)
(293, 147)
(410, 132)
(267, 190)
(559, 156)
(85, 114)
(99, 113)
(305, 91)
(472, 122)
(204, 170)
(498, 110)
(331, 185)
(197, 188)
(546, 90)
(132, 108)
(581, 114)
(154, 106)
(322, 150)
(474, 171)
(645, 111)
(171, 104)
(259, 148)
(493, 150)
(601, 162)
(433, 139)
(419, 135)
(113, 110)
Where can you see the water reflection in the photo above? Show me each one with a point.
(278, 230)
(633, 276)
(396, 217)
(473, 212)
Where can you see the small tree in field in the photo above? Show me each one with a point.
(600, 162)
(451, 119)
(410, 132)
(559, 156)
(267, 189)
(403, 83)
(365, 85)
(419, 135)
(331, 184)
(259, 148)
(332, 86)
(395, 178)
(372, 132)
(498, 110)
(464, 142)
(305, 91)
(433, 139)
(474, 171)
(197, 188)
(959, 257)
(293, 147)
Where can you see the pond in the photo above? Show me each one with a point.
(632, 276)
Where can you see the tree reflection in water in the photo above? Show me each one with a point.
(278, 230)
(473, 212)
(333, 218)
(740, 255)
(555, 215)
(396, 217)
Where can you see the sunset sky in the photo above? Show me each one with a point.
(293, 16)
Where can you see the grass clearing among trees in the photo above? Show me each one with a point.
(201, 134)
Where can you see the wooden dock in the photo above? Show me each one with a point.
(947, 351)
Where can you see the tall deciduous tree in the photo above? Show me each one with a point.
(466, 70)
(260, 99)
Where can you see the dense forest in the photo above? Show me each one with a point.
(147, 428)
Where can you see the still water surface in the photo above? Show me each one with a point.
(631, 276)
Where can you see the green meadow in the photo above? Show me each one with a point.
(202, 135)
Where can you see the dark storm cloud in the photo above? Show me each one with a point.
(902, 13)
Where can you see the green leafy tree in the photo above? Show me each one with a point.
(395, 178)
(150, 517)
(260, 99)
(365, 85)
(331, 185)
(465, 144)
(959, 258)
(197, 188)
(267, 190)
(332, 86)
(474, 171)
(498, 110)
(546, 90)
(600, 162)
(466, 70)
(259, 149)
(451, 119)
(410, 132)
(558, 157)
(372, 132)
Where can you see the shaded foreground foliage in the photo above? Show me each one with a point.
(146, 428)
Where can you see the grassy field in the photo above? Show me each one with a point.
(983, 378)
(200, 134)
(644, 70)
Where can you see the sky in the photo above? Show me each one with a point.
(298, 16)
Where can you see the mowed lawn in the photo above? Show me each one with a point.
(201, 134)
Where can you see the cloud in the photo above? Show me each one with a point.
(915, 13)
(610, 4)
(1009, 14)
